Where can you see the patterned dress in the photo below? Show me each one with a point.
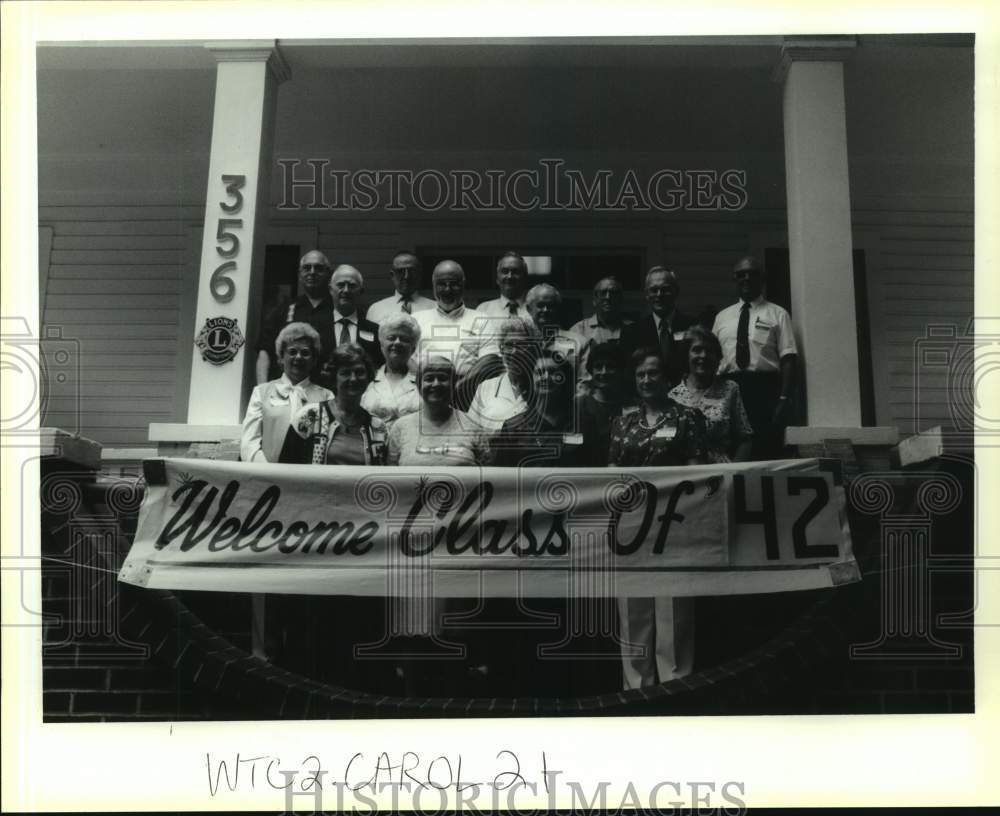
(726, 422)
(675, 439)
(663, 625)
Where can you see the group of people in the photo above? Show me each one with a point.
(426, 382)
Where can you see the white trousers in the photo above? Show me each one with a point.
(657, 639)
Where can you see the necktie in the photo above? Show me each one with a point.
(743, 338)
(512, 308)
(405, 304)
(345, 332)
(666, 340)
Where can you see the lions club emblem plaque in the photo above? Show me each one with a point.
(219, 340)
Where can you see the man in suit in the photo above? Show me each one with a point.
(512, 281)
(405, 273)
(665, 326)
(346, 286)
(314, 306)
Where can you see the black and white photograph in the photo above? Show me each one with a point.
(543, 381)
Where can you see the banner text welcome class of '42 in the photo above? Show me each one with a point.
(703, 530)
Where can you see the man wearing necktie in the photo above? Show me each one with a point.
(346, 286)
(665, 326)
(512, 281)
(759, 354)
(405, 272)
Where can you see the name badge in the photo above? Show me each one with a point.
(366, 335)
(666, 433)
(423, 449)
(572, 439)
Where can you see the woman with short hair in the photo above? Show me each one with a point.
(339, 431)
(272, 403)
(502, 397)
(438, 434)
(604, 401)
(546, 433)
(393, 392)
(728, 433)
(660, 432)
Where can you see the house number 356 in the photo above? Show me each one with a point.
(227, 242)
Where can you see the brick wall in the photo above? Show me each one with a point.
(115, 652)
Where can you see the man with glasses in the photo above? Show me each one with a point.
(314, 306)
(759, 354)
(606, 324)
(665, 326)
(405, 272)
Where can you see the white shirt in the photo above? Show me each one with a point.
(498, 308)
(771, 336)
(390, 399)
(269, 414)
(657, 320)
(387, 307)
(496, 401)
(338, 327)
(463, 331)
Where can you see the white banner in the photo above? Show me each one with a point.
(491, 532)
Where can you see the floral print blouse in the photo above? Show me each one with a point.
(726, 422)
(675, 439)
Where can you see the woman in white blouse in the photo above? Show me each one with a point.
(500, 398)
(393, 391)
(272, 404)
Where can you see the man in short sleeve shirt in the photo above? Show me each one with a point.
(759, 354)
(477, 356)
(314, 306)
(606, 325)
(405, 272)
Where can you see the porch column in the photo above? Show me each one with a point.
(232, 251)
(819, 228)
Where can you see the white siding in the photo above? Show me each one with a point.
(114, 289)
(924, 279)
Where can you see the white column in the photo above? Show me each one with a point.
(232, 252)
(819, 229)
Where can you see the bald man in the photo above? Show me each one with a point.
(346, 287)
(477, 355)
(314, 306)
(759, 354)
(405, 272)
